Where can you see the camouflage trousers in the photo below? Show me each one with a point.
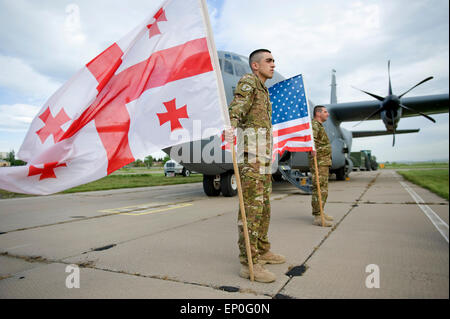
(256, 182)
(323, 181)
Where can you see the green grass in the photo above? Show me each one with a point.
(138, 170)
(416, 165)
(122, 181)
(133, 181)
(435, 180)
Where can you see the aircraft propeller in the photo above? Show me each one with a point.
(391, 103)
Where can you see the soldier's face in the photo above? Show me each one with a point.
(266, 66)
(323, 115)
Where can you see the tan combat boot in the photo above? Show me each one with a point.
(259, 272)
(271, 258)
(318, 221)
(328, 217)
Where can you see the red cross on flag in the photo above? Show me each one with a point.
(126, 103)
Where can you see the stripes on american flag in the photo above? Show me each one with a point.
(291, 124)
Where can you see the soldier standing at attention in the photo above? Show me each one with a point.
(251, 111)
(323, 153)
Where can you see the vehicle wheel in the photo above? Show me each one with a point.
(186, 173)
(340, 174)
(277, 177)
(228, 184)
(367, 162)
(211, 185)
(374, 166)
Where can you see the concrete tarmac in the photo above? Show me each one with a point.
(389, 240)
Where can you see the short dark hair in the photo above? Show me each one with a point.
(254, 56)
(318, 108)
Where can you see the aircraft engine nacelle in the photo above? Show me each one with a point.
(392, 112)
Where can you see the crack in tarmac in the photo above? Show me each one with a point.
(355, 204)
(91, 265)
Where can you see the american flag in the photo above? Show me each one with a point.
(291, 124)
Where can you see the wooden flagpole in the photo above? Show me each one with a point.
(243, 216)
(315, 157)
(215, 60)
(318, 190)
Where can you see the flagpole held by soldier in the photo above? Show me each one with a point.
(319, 163)
(251, 111)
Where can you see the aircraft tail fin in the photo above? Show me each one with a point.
(333, 99)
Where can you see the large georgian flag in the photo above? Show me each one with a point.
(126, 103)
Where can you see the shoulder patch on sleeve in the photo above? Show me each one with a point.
(246, 84)
(245, 87)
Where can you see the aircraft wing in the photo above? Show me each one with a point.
(357, 134)
(357, 111)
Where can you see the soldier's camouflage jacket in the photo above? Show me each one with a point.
(251, 112)
(323, 146)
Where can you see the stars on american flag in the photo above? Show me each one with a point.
(289, 101)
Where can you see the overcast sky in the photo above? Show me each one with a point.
(43, 43)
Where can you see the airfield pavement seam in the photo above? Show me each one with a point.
(59, 223)
(84, 219)
(315, 249)
(150, 235)
(91, 265)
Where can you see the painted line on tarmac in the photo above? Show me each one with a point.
(157, 210)
(145, 209)
(440, 225)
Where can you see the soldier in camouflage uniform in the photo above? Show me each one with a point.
(251, 111)
(323, 153)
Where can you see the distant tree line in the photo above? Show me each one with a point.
(149, 161)
(11, 158)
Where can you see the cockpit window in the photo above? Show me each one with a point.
(240, 69)
(228, 67)
(227, 56)
(236, 58)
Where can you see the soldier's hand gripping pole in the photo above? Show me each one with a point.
(318, 190)
(243, 216)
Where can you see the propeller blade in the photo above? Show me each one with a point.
(417, 112)
(421, 82)
(393, 141)
(393, 127)
(379, 98)
(389, 74)
(374, 113)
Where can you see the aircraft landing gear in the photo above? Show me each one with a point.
(228, 184)
(340, 174)
(211, 185)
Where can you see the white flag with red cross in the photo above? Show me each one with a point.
(126, 103)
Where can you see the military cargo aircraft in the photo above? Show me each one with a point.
(218, 177)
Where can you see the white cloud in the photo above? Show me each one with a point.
(356, 38)
(19, 76)
(57, 38)
(17, 117)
